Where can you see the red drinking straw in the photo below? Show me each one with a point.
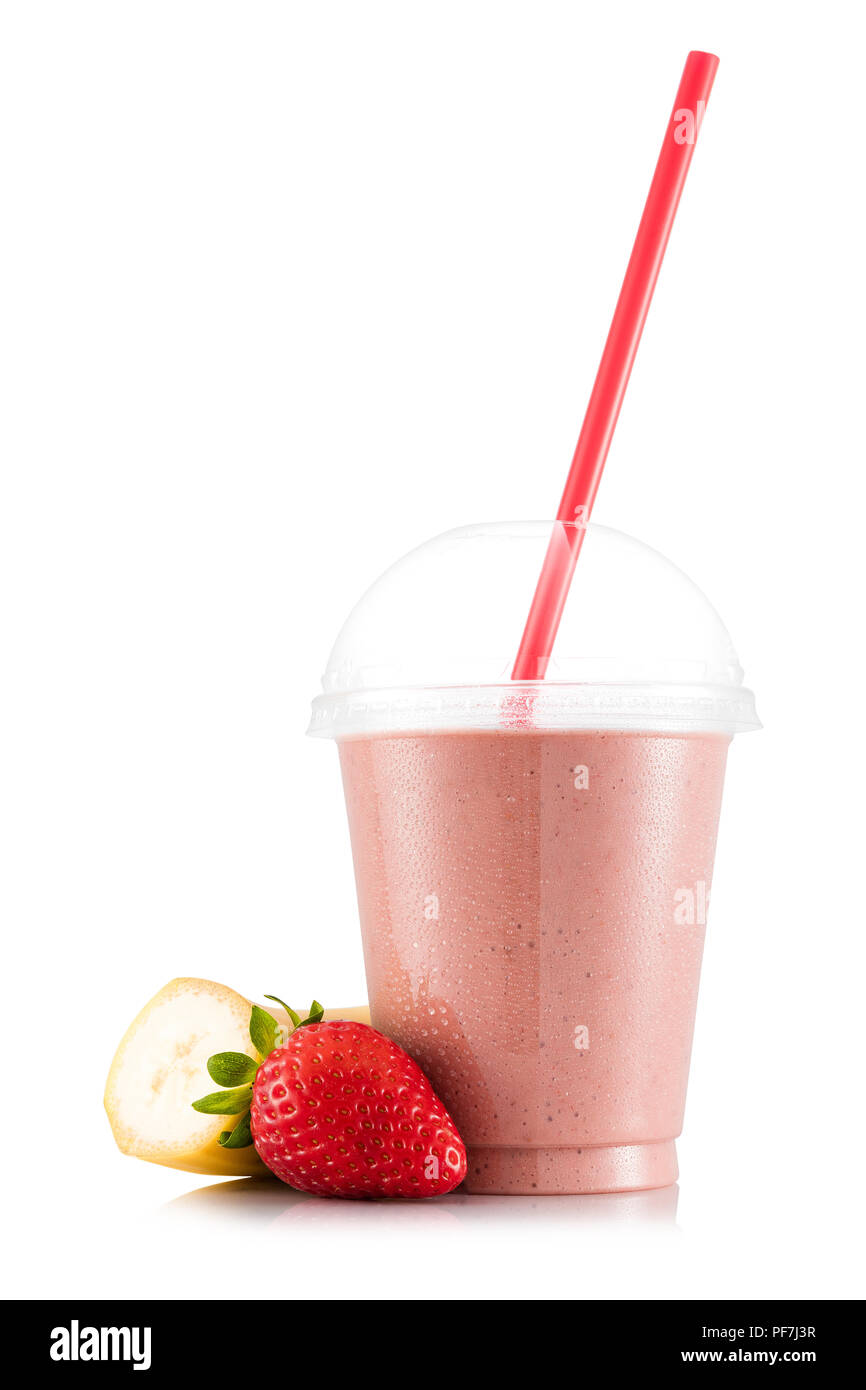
(615, 367)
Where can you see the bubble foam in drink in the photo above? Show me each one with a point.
(534, 891)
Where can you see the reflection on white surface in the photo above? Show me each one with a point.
(265, 1201)
(250, 1199)
(603, 1208)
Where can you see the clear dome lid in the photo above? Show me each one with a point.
(432, 643)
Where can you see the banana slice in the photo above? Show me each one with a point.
(160, 1068)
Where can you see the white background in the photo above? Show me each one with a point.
(287, 289)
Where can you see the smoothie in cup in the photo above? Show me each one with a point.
(534, 861)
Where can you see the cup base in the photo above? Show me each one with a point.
(504, 1171)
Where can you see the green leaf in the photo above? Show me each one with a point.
(231, 1068)
(225, 1102)
(264, 1031)
(296, 1020)
(240, 1137)
(316, 1014)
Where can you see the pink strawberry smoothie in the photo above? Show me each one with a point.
(533, 909)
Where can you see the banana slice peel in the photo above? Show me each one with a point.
(160, 1068)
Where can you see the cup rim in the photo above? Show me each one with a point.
(536, 706)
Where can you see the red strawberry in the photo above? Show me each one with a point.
(339, 1110)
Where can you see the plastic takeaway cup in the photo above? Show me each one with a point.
(533, 860)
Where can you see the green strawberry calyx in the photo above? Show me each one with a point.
(236, 1072)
